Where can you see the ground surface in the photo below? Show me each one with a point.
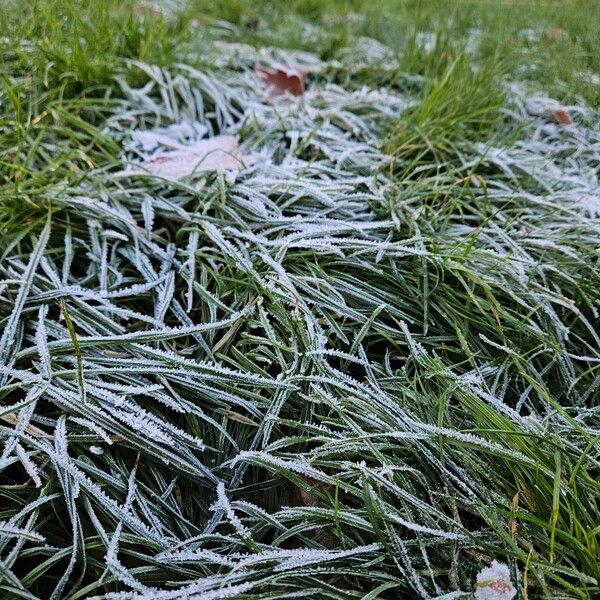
(362, 361)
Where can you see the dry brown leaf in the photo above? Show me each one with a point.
(228, 335)
(219, 153)
(303, 497)
(235, 416)
(556, 32)
(280, 81)
(145, 9)
(113, 354)
(512, 523)
(562, 117)
(178, 497)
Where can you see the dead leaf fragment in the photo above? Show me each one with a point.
(236, 416)
(556, 32)
(512, 522)
(146, 9)
(281, 81)
(562, 117)
(228, 335)
(29, 428)
(219, 153)
(307, 497)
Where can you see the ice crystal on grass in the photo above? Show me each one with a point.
(174, 137)
(494, 583)
(219, 153)
(412, 343)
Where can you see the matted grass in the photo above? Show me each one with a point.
(362, 368)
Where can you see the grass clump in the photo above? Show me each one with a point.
(365, 366)
(454, 109)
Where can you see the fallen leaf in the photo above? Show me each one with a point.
(494, 583)
(145, 9)
(219, 153)
(562, 117)
(174, 137)
(595, 78)
(556, 32)
(280, 81)
(306, 497)
(302, 497)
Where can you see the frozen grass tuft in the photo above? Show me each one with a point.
(365, 365)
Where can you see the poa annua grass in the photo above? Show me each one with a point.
(365, 367)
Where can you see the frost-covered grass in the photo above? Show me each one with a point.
(365, 366)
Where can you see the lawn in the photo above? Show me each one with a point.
(336, 343)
